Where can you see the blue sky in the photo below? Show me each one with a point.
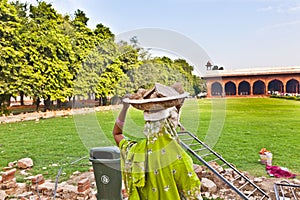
(233, 33)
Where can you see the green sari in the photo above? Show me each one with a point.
(157, 167)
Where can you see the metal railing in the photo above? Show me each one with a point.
(214, 162)
(286, 191)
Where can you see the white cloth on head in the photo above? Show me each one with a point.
(170, 113)
(174, 116)
(157, 115)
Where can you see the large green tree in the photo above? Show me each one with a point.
(129, 56)
(166, 71)
(11, 55)
(102, 52)
(49, 54)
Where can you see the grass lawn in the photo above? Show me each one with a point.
(251, 124)
(236, 128)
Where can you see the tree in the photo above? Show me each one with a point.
(108, 81)
(80, 16)
(10, 52)
(23, 75)
(49, 54)
(215, 67)
(83, 44)
(103, 33)
(184, 65)
(166, 71)
(128, 55)
(102, 53)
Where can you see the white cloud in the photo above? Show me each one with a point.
(280, 25)
(295, 8)
(283, 8)
(269, 8)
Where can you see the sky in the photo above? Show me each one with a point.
(229, 33)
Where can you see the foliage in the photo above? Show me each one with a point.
(45, 55)
(108, 81)
(165, 71)
(297, 98)
(11, 52)
(49, 54)
(81, 17)
(103, 32)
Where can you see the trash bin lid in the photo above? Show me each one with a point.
(109, 152)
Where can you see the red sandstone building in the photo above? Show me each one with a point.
(252, 82)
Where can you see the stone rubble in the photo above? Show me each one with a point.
(82, 186)
(213, 187)
(43, 189)
(25, 163)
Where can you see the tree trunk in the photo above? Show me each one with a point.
(104, 101)
(7, 100)
(37, 104)
(58, 103)
(4, 103)
(100, 101)
(22, 98)
(73, 102)
(47, 103)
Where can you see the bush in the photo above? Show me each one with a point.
(297, 98)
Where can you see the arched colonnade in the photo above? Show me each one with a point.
(226, 84)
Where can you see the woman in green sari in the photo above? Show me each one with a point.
(157, 167)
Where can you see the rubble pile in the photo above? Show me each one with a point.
(36, 187)
(214, 188)
(82, 186)
(45, 190)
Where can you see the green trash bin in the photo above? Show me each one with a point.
(107, 171)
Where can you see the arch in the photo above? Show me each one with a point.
(244, 88)
(292, 86)
(255, 82)
(230, 88)
(259, 87)
(216, 89)
(275, 87)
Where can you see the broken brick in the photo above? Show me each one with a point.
(8, 175)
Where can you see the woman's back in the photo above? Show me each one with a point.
(157, 167)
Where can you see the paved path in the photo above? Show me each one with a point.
(50, 114)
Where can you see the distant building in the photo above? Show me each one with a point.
(253, 82)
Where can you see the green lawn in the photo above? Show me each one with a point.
(236, 128)
(251, 124)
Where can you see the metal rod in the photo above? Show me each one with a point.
(79, 159)
(56, 183)
(252, 192)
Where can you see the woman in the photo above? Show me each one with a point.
(157, 167)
